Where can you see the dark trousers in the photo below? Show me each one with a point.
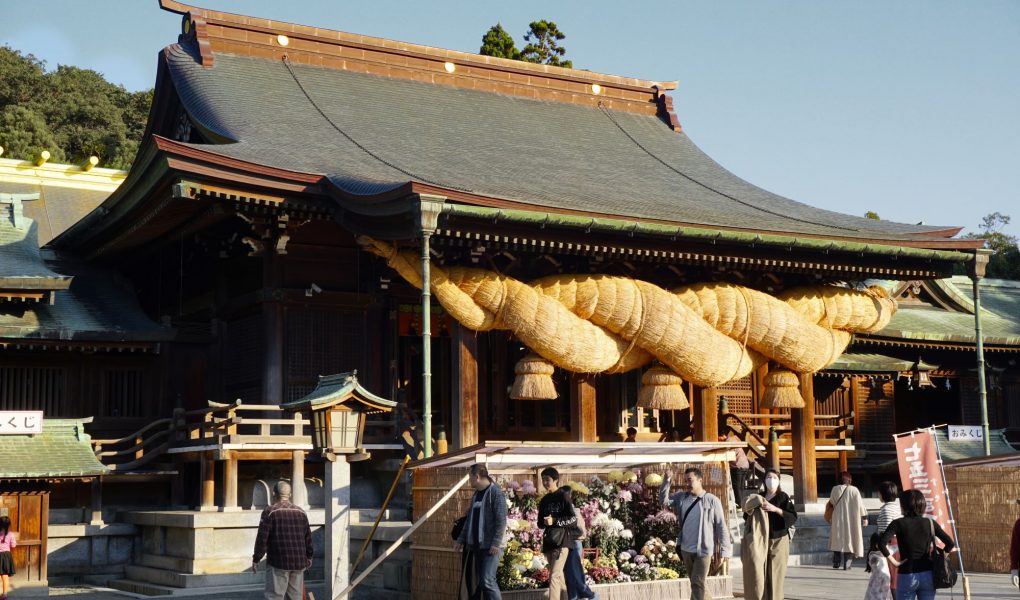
(577, 587)
(739, 479)
(480, 574)
(842, 559)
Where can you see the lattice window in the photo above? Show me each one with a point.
(322, 342)
(126, 393)
(876, 421)
(34, 388)
(739, 395)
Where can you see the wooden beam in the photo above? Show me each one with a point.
(465, 396)
(230, 484)
(805, 476)
(583, 426)
(706, 415)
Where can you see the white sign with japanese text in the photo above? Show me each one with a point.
(965, 433)
(20, 422)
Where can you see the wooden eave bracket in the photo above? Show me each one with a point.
(194, 30)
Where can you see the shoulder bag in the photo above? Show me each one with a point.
(458, 527)
(943, 573)
(830, 507)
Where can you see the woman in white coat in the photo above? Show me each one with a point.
(849, 518)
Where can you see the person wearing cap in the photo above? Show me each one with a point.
(285, 539)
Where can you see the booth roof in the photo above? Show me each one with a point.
(567, 455)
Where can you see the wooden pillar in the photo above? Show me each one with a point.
(272, 328)
(208, 468)
(583, 426)
(841, 464)
(706, 416)
(465, 389)
(772, 453)
(805, 476)
(299, 493)
(96, 502)
(230, 483)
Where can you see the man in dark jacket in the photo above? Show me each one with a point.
(558, 521)
(284, 535)
(482, 534)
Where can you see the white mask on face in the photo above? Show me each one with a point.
(771, 483)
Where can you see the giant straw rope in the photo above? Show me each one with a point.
(708, 334)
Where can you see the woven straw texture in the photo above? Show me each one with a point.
(708, 334)
(985, 508)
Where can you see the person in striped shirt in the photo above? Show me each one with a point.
(889, 512)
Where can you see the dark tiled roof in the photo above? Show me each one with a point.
(21, 266)
(99, 306)
(538, 153)
(57, 208)
(61, 450)
(1000, 315)
(957, 450)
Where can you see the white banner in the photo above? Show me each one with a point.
(20, 422)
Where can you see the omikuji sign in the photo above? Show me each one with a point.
(20, 422)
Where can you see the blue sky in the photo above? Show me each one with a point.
(909, 108)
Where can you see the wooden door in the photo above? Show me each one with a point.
(29, 513)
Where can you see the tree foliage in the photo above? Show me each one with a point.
(1004, 262)
(872, 215)
(74, 113)
(542, 44)
(497, 42)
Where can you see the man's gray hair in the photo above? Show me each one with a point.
(282, 490)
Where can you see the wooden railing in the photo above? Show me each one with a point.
(219, 424)
(762, 433)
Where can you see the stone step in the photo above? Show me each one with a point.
(368, 515)
(187, 580)
(140, 587)
(387, 531)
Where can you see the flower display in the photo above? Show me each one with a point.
(653, 480)
(626, 528)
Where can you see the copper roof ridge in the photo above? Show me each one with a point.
(398, 47)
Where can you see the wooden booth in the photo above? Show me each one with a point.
(32, 465)
(627, 474)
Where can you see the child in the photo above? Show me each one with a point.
(7, 543)
(878, 566)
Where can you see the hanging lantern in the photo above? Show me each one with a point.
(920, 375)
(534, 379)
(662, 389)
(782, 390)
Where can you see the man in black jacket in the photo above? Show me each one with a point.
(556, 517)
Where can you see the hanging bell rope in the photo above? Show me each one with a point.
(662, 389)
(782, 390)
(534, 379)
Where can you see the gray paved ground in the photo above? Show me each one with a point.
(802, 583)
(826, 583)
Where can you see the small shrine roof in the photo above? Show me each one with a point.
(21, 265)
(335, 389)
(62, 450)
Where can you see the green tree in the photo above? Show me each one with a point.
(543, 47)
(72, 112)
(872, 215)
(24, 133)
(497, 42)
(1004, 262)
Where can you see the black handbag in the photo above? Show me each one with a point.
(553, 538)
(943, 573)
(458, 528)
